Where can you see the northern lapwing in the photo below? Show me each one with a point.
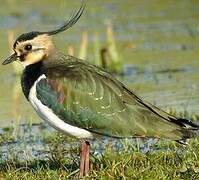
(84, 101)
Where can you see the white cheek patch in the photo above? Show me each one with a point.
(33, 57)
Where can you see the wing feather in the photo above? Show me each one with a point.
(90, 98)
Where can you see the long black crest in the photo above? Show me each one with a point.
(69, 23)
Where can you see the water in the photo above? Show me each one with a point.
(33, 142)
(158, 42)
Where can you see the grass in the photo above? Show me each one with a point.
(117, 159)
(169, 164)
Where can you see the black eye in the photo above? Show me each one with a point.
(28, 47)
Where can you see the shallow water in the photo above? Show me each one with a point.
(35, 142)
(157, 41)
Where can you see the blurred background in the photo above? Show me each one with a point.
(150, 45)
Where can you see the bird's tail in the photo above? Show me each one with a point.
(189, 129)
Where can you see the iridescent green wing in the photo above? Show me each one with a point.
(88, 97)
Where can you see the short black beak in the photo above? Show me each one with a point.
(10, 59)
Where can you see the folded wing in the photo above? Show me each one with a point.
(88, 97)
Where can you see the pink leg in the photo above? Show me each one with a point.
(84, 159)
(87, 154)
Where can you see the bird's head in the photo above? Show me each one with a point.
(32, 47)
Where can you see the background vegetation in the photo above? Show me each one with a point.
(152, 46)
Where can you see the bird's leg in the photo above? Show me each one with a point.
(87, 154)
(84, 158)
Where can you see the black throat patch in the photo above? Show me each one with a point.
(30, 74)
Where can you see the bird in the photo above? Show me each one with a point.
(85, 101)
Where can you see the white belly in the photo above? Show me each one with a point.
(47, 114)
